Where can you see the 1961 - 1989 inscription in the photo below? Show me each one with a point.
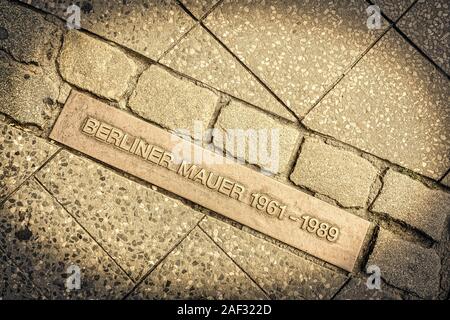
(141, 149)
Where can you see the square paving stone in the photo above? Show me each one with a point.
(280, 273)
(14, 284)
(427, 25)
(393, 104)
(412, 202)
(406, 265)
(172, 102)
(299, 48)
(201, 57)
(357, 289)
(149, 27)
(198, 269)
(135, 225)
(43, 240)
(21, 154)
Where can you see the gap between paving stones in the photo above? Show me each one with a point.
(82, 227)
(342, 287)
(147, 274)
(401, 16)
(394, 26)
(31, 176)
(346, 71)
(205, 15)
(444, 176)
(385, 163)
(411, 43)
(265, 86)
(240, 268)
(193, 17)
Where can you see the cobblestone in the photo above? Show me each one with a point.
(412, 202)
(26, 92)
(339, 174)
(279, 150)
(95, 66)
(20, 28)
(406, 265)
(172, 102)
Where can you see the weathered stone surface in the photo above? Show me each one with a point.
(393, 104)
(95, 66)
(43, 240)
(426, 24)
(446, 180)
(199, 7)
(21, 154)
(197, 269)
(412, 202)
(172, 102)
(280, 273)
(299, 48)
(135, 225)
(201, 57)
(339, 174)
(393, 8)
(275, 142)
(357, 289)
(406, 265)
(26, 35)
(14, 285)
(26, 91)
(149, 27)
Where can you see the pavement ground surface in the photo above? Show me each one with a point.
(363, 116)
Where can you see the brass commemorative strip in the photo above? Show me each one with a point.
(226, 187)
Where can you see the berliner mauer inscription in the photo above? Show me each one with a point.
(224, 186)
